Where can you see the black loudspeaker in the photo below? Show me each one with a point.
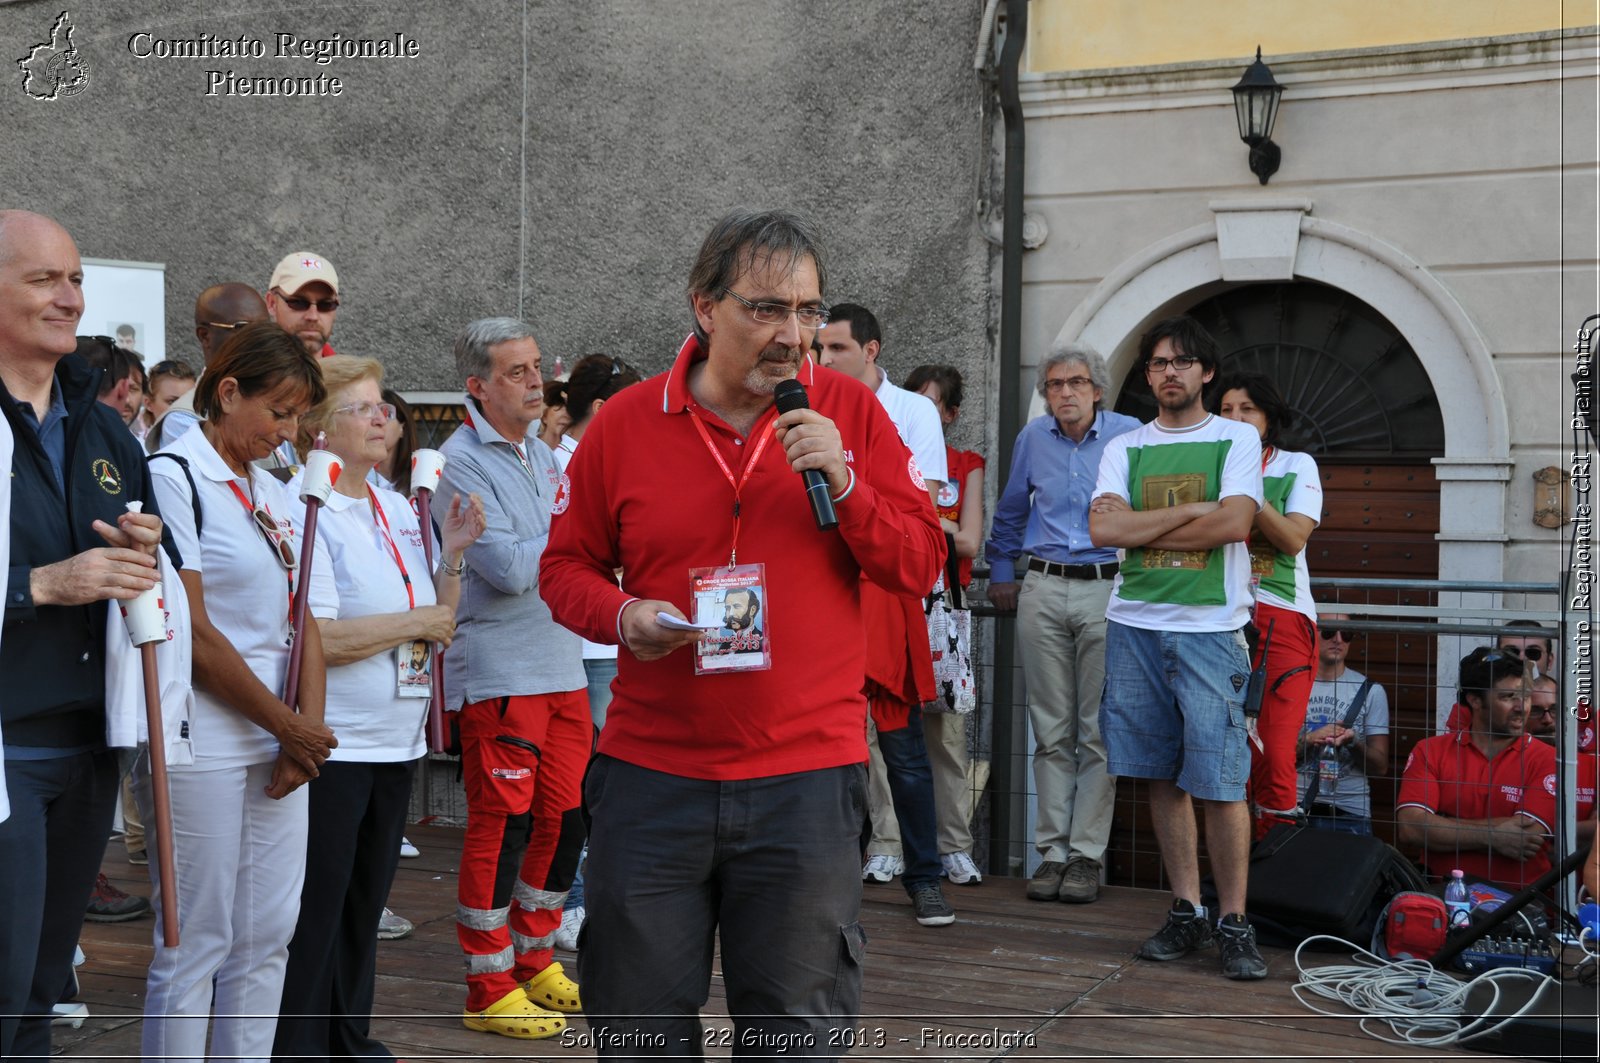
(1305, 881)
(1561, 1025)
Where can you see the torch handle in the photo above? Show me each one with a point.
(291, 691)
(161, 798)
(437, 738)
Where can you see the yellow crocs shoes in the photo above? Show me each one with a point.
(551, 988)
(514, 1015)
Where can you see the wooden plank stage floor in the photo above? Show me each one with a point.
(1012, 979)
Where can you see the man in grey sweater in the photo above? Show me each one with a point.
(517, 679)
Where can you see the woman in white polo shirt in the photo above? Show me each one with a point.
(378, 643)
(239, 810)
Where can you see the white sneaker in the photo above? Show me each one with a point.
(882, 868)
(70, 1014)
(567, 933)
(408, 850)
(959, 868)
(392, 927)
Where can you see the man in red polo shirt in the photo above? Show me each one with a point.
(729, 790)
(1482, 799)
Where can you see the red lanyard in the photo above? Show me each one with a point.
(250, 511)
(388, 537)
(763, 430)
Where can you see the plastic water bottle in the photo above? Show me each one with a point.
(1328, 768)
(1456, 901)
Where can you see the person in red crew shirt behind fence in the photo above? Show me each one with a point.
(1482, 799)
(730, 800)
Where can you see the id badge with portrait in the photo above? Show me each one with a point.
(734, 597)
(414, 669)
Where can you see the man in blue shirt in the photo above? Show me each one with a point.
(1061, 615)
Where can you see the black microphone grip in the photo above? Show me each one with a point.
(791, 395)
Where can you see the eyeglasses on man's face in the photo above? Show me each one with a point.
(1180, 363)
(1056, 385)
(1331, 633)
(777, 313)
(228, 326)
(300, 304)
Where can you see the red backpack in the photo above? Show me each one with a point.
(1412, 927)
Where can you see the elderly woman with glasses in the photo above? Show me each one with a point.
(388, 604)
(239, 808)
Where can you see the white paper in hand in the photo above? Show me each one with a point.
(668, 620)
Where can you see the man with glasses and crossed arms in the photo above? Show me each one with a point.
(1180, 495)
(1342, 742)
(1061, 615)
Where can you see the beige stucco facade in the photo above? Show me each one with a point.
(1450, 184)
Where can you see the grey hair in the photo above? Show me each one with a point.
(745, 238)
(475, 341)
(1075, 353)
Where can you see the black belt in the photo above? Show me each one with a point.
(1052, 568)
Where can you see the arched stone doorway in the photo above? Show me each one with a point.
(1265, 239)
(1404, 412)
(1365, 410)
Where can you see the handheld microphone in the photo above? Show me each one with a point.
(791, 395)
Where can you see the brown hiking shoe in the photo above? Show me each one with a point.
(1046, 881)
(1081, 883)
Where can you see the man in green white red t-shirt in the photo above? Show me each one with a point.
(1179, 495)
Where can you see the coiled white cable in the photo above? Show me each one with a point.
(1419, 1005)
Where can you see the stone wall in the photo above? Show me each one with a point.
(559, 161)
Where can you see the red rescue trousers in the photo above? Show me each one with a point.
(1291, 669)
(523, 760)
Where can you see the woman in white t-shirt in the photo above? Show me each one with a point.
(239, 810)
(1292, 488)
(378, 641)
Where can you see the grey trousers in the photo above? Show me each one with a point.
(1061, 631)
(771, 866)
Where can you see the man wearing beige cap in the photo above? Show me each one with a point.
(303, 298)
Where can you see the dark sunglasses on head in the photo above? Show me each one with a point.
(1532, 653)
(1485, 655)
(299, 304)
(1345, 633)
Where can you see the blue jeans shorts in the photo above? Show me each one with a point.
(1174, 709)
